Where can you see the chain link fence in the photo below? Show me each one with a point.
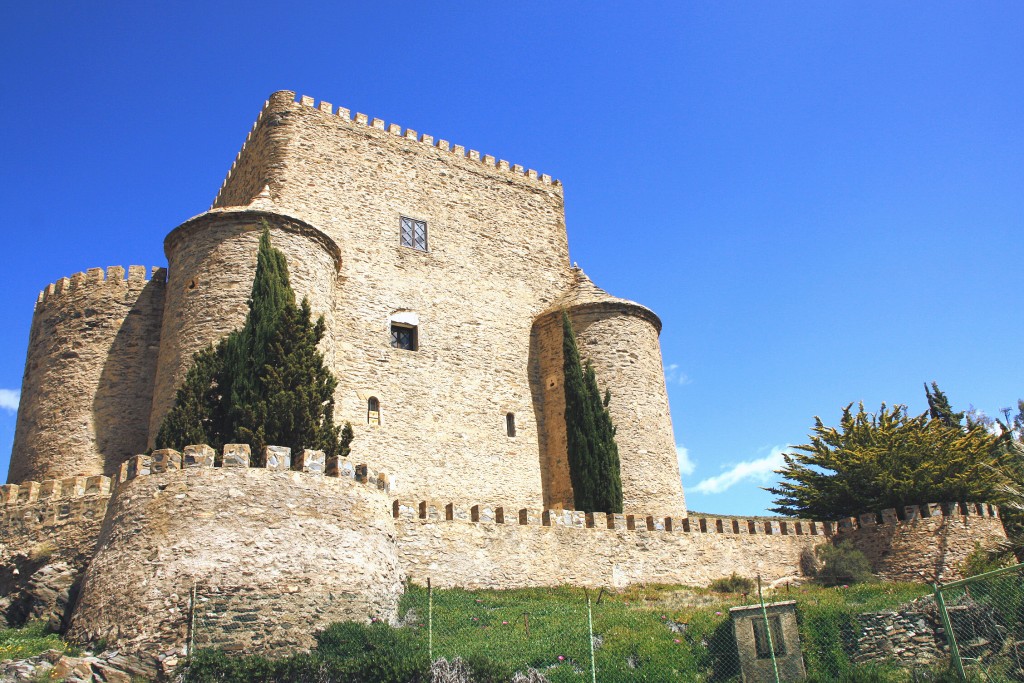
(984, 620)
(971, 630)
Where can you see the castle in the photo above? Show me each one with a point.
(442, 276)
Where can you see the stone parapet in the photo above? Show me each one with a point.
(94, 278)
(276, 458)
(257, 560)
(491, 514)
(393, 130)
(923, 542)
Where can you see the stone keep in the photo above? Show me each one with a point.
(479, 287)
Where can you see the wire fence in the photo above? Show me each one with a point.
(971, 630)
(984, 620)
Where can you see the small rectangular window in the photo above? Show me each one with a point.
(764, 650)
(414, 233)
(403, 337)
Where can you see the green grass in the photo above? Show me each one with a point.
(652, 633)
(28, 641)
(663, 633)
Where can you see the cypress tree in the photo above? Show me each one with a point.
(195, 417)
(593, 454)
(266, 382)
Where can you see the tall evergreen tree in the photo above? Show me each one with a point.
(593, 454)
(939, 407)
(195, 417)
(266, 382)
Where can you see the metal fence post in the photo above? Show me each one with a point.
(954, 651)
(430, 622)
(590, 624)
(768, 630)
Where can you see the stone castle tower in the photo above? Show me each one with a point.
(441, 276)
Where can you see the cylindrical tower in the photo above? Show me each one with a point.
(85, 396)
(211, 265)
(620, 338)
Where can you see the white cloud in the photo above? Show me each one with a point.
(760, 470)
(686, 466)
(674, 376)
(9, 399)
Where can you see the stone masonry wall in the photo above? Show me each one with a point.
(283, 553)
(48, 534)
(88, 381)
(497, 257)
(927, 542)
(534, 548)
(212, 264)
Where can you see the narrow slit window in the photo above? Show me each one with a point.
(510, 424)
(764, 650)
(413, 233)
(373, 411)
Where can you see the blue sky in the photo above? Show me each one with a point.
(822, 201)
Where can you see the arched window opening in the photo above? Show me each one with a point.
(373, 411)
(510, 424)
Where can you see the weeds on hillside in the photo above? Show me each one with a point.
(30, 640)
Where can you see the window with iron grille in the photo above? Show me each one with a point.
(414, 233)
(403, 337)
(373, 411)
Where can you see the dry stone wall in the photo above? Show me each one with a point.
(89, 374)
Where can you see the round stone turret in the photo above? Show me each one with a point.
(620, 338)
(85, 396)
(211, 265)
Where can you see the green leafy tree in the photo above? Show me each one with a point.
(889, 459)
(593, 454)
(265, 383)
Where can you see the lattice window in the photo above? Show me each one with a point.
(403, 337)
(414, 233)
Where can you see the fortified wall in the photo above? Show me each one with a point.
(266, 556)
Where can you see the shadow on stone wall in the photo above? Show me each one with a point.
(124, 395)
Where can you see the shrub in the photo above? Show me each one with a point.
(981, 561)
(842, 564)
(733, 584)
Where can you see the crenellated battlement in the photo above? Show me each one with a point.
(395, 129)
(489, 514)
(275, 459)
(94, 278)
(238, 157)
(912, 513)
(29, 492)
